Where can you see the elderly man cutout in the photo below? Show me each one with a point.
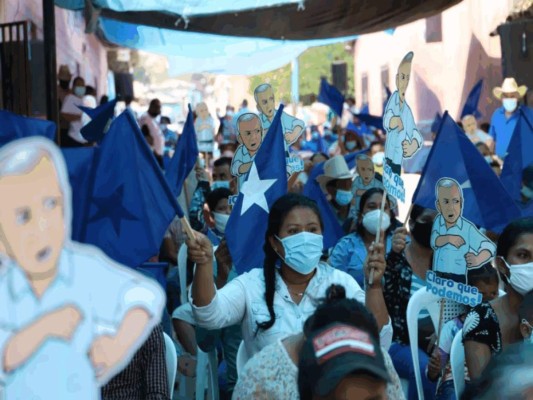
(457, 243)
(70, 317)
(403, 138)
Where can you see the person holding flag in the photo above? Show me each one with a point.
(271, 302)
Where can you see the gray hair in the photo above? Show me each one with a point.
(363, 157)
(247, 117)
(22, 156)
(447, 183)
(408, 58)
(260, 89)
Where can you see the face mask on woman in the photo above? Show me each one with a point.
(302, 251)
(343, 197)
(510, 104)
(371, 221)
(79, 91)
(221, 220)
(521, 278)
(527, 192)
(350, 145)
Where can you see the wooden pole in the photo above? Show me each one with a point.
(378, 233)
(50, 70)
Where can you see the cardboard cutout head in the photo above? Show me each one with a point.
(449, 201)
(249, 132)
(202, 111)
(365, 168)
(404, 75)
(265, 100)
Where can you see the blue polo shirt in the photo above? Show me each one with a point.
(502, 128)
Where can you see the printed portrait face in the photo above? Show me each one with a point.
(202, 111)
(32, 218)
(251, 134)
(469, 124)
(265, 102)
(365, 169)
(402, 79)
(449, 203)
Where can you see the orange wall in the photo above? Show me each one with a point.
(443, 72)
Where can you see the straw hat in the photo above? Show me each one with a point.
(509, 86)
(64, 73)
(334, 168)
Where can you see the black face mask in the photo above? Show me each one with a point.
(64, 84)
(421, 232)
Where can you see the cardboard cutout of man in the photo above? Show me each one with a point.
(403, 138)
(70, 317)
(365, 180)
(250, 136)
(456, 242)
(266, 105)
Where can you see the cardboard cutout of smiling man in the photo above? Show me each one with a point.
(457, 243)
(70, 317)
(403, 138)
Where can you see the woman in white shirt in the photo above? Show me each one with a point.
(274, 301)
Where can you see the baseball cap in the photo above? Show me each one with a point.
(336, 351)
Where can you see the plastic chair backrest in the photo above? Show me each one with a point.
(422, 299)
(206, 375)
(242, 357)
(171, 359)
(182, 272)
(457, 361)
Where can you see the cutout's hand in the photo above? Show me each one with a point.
(409, 148)
(472, 260)
(105, 353)
(63, 322)
(457, 241)
(200, 250)
(399, 240)
(396, 122)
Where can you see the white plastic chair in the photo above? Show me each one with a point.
(171, 359)
(242, 357)
(206, 375)
(457, 361)
(182, 272)
(422, 299)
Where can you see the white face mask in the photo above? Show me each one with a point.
(302, 251)
(350, 145)
(371, 221)
(220, 184)
(510, 104)
(378, 158)
(488, 159)
(521, 277)
(221, 220)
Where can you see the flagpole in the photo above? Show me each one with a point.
(378, 233)
(408, 214)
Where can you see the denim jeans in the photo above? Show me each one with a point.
(403, 363)
(446, 391)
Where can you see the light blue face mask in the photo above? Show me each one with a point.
(302, 251)
(220, 184)
(350, 145)
(343, 197)
(527, 192)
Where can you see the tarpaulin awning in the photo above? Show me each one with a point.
(281, 19)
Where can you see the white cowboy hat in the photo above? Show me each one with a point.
(509, 86)
(334, 168)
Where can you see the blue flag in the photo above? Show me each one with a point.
(101, 118)
(486, 202)
(331, 96)
(519, 153)
(184, 157)
(128, 203)
(15, 126)
(332, 228)
(436, 123)
(80, 161)
(472, 101)
(371, 120)
(265, 183)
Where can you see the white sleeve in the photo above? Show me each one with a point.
(69, 105)
(227, 308)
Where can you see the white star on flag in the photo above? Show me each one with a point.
(254, 190)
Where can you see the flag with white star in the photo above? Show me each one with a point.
(486, 202)
(127, 203)
(265, 183)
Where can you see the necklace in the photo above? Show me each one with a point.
(296, 293)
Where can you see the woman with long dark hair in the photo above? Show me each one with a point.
(350, 252)
(274, 301)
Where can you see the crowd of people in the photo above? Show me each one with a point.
(310, 323)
